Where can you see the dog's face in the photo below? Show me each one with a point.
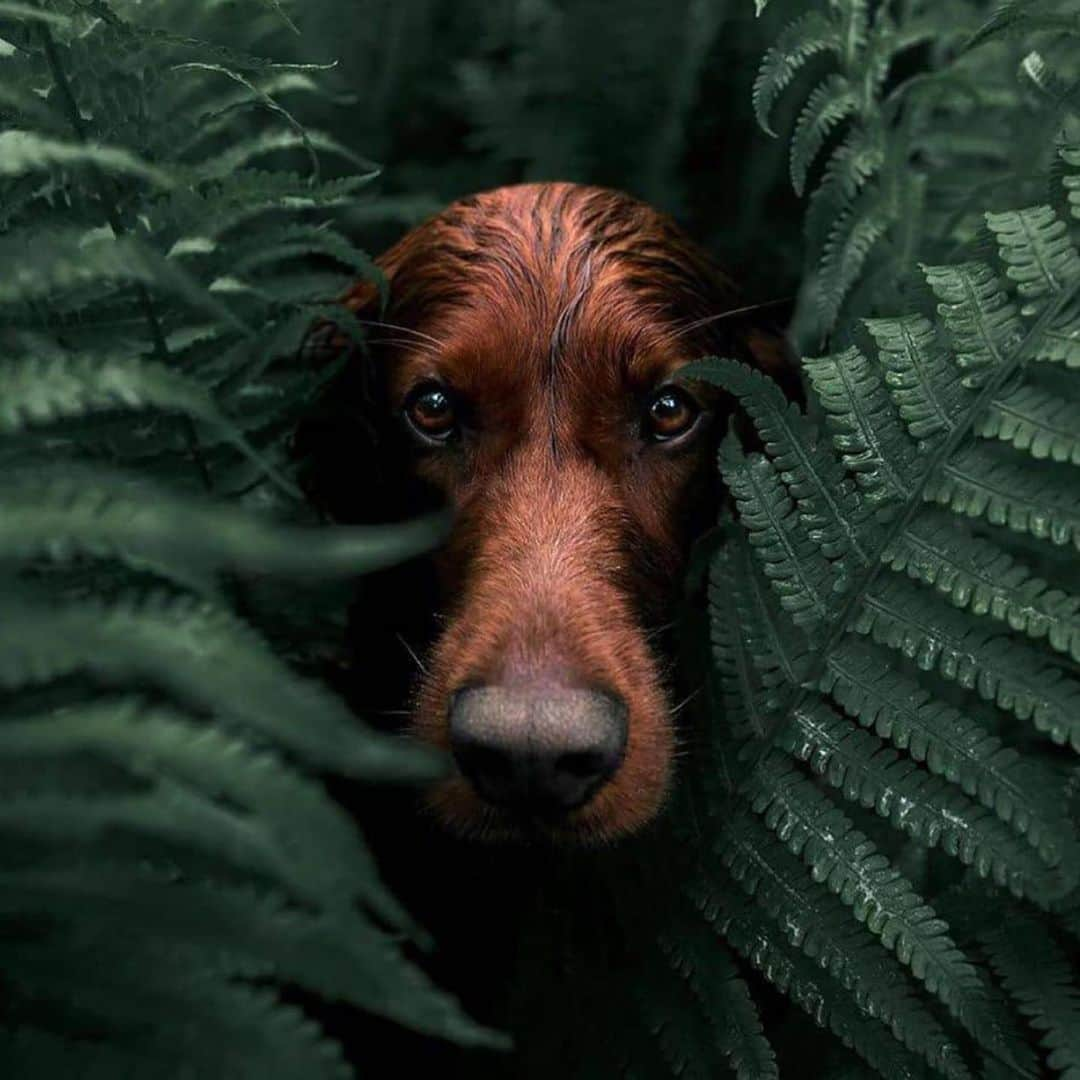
(537, 334)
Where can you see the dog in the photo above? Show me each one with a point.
(528, 362)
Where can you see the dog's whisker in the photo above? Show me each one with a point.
(412, 652)
(731, 313)
(404, 329)
(686, 701)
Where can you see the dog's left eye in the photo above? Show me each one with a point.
(430, 410)
(671, 413)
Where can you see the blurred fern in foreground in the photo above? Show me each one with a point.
(169, 859)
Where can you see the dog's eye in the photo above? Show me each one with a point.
(430, 410)
(672, 412)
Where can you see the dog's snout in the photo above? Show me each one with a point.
(537, 751)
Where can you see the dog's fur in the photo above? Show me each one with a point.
(553, 311)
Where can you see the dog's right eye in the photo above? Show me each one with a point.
(430, 410)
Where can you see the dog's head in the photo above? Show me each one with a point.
(529, 355)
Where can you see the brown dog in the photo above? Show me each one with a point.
(531, 342)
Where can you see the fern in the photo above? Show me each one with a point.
(164, 831)
(893, 613)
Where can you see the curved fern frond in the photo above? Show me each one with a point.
(868, 432)
(25, 151)
(821, 926)
(806, 37)
(63, 512)
(829, 507)
(799, 573)
(831, 102)
(701, 959)
(865, 683)
(841, 857)
(1035, 247)
(928, 391)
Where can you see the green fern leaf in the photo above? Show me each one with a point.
(831, 102)
(925, 385)
(829, 508)
(703, 961)
(1038, 974)
(846, 250)
(798, 571)
(803, 39)
(206, 659)
(981, 320)
(25, 151)
(63, 512)
(819, 924)
(1035, 246)
(921, 804)
(315, 844)
(841, 857)
(828, 1003)
(867, 428)
(1042, 422)
(865, 683)
(980, 657)
(1043, 503)
(341, 958)
(986, 580)
(45, 392)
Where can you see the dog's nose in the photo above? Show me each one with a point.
(536, 750)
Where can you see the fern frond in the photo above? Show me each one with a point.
(846, 250)
(832, 101)
(26, 151)
(702, 960)
(1035, 247)
(47, 265)
(865, 683)
(799, 573)
(927, 388)
(820, 925)
(1042, 422)
(986, 580)
(801, 40)
(63, 512)
(1017, 677)
(751, 933)
(1027, 500)
(919, 803)
(209, 660)
(868, 430)
(343, 958)
(829, 507)
(46, 391)
(981, 319)
(1036, 971)
(841, 857)
(320, 852)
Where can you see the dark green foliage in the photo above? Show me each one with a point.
(893, 596)
(170, 859)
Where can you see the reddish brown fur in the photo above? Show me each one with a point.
(553, 310)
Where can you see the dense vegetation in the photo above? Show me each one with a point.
(872, 864)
